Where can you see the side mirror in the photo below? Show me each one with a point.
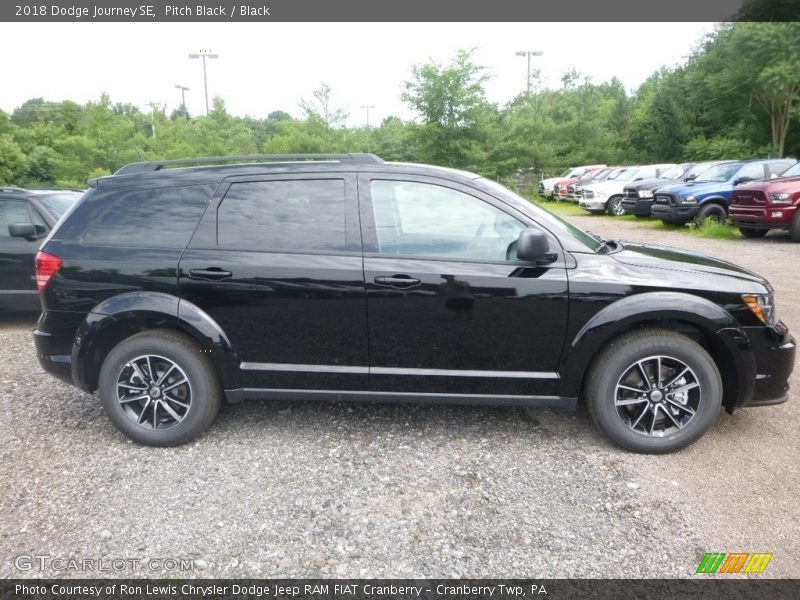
(23, 230)
(691, 177)
(532, 245)
(742, 180)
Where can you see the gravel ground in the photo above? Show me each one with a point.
(301, 490)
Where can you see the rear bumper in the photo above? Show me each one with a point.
(762, 217)
(53, 338)
(637, 206)
(774, 351)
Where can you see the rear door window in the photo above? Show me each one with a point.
(287, 215)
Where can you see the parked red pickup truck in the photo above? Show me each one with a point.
(759, 206)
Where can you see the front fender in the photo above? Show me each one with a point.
(651, 307)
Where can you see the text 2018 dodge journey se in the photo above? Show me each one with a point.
(170, 286)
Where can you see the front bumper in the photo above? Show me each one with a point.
(596, 204)
(774, 351)
(674, 214)
(762, 217)
(637, 206)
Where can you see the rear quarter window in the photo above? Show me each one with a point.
(153, 218)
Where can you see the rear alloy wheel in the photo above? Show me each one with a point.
(158, 389)
(713, 212)
(654, 391)
(614, 206)
(750, 232)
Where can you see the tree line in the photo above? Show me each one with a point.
(736, 96)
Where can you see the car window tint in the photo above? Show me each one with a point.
(421, 219)
(751, 171)
(12, 211)
(302, 215)
(159, 218)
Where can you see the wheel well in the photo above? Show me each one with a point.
(116, 332)
(719, 353)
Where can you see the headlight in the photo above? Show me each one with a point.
(689, 200)
(762, 306)
(645, 193)
(780, 198)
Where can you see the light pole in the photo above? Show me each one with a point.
(183, 90)
(369, 133)
(529, 53)
(204, 54)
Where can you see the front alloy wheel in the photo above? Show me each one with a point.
(654, 390)
(657, 395)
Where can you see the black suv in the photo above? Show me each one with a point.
(343, 277)
(26, 217)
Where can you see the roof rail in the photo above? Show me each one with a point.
(157, 165)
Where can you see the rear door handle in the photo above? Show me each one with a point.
(397, 281)
(211, 273)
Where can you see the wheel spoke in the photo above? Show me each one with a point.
(671, 418)
(680, 406)
(654, 408)
(164, 376)
(144, 410)
(155, 414)
(632, 389)
(644, 376)
(178, 402)
(658, 372)
(132, 387)
(171, 412)
(645, 410)
(174, 385)
(150, 369)
(677, 377)
(138, 371)
(683, 388)
(133, 399)
(630, 401)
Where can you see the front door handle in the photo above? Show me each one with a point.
(211, 274)
(397, 281)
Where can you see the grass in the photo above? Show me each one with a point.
(709, 229)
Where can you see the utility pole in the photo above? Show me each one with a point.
(154, 106)
(183, 90)
(529, 53)
(203, 54)
(369, 131)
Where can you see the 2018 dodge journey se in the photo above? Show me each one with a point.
(173, 285)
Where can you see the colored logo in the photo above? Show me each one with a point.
(734, 562)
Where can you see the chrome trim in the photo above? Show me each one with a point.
(256, 366)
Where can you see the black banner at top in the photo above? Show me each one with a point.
(150, 11)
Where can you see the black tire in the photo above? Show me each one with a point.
(619, 360)
(196, 402)
(794, 228)
(614, 206)
(712, 211)
(749, 232)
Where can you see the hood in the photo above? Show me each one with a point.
(652, 184)
(696, 188)
(609, 187)
(789, 185)
(699, 266)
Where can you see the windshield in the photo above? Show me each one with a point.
(720, 173)
(57, 204)
(792, 171)
(625, 174)
(700, 168)
(577, 172)
(614, 174)
(675, 172)
(544, 216)
(602, 174)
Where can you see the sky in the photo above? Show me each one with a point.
(264, 67)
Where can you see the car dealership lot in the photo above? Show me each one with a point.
(277, 489)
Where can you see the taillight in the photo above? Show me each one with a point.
(46, 267)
